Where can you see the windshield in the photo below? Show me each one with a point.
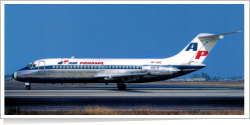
(32, 65)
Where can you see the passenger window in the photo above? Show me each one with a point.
(88, 67)
(53, 67)
(92, 67)
(56, 67)
(70, 67)
(74, 67)
(81, 67)
(67, 67)
(60, 67)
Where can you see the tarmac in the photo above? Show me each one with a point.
(136, 97)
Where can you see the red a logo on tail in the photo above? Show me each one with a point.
(201, 53)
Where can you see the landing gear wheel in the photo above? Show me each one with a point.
(28, 87)
(121, 87)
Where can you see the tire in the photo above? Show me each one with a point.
(122, 87)
(28, 87)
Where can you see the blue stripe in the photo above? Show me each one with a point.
(109, 67)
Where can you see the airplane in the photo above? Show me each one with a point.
(120, 71)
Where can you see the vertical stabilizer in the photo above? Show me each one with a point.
(199, 48)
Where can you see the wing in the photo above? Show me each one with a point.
(118, 75)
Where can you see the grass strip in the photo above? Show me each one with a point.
(107, 111)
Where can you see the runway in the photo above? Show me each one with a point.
(135, 93)
(153, 97)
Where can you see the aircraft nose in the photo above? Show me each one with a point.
(14, 75)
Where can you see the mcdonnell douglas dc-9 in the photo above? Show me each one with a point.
(120, 71)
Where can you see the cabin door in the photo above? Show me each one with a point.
(41, 67)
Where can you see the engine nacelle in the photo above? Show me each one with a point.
(158, 70)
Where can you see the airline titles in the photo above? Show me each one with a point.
(81, 63)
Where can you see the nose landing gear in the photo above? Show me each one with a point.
(27, 86)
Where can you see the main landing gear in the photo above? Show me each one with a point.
(27, 86)
(121, 86)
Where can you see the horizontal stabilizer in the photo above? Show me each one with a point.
(215, 37)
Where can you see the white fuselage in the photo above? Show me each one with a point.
(102, 70)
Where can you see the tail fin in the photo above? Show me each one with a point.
(198, 49)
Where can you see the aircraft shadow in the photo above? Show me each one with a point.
(127, 90)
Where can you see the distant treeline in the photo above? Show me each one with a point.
(215, 78)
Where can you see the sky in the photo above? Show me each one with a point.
(34, 32)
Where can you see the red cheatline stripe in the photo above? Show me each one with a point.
(24, 74)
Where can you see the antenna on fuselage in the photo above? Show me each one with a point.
(72, 57)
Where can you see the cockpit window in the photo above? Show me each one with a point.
(31, 65)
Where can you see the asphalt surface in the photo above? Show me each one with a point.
(136, 97)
